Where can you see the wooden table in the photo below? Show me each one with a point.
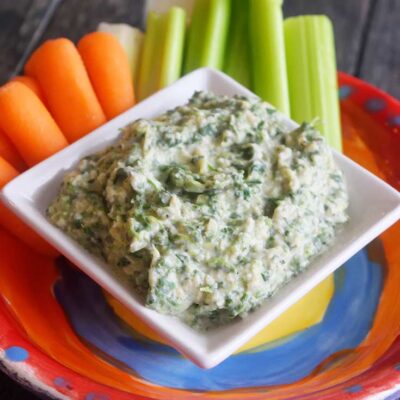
(367, 35)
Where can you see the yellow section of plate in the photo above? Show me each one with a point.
(305, 313)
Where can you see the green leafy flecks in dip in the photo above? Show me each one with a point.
(208, 209)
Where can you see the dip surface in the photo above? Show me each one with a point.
(208, 209)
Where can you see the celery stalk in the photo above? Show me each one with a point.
(195, 39)
(163, 6)
(237, 58)
(162, 51)
(312, 74)
(268, 53)
(298, 71)
(207, 34)
(131, 40)
(150, 67)
(174, 35)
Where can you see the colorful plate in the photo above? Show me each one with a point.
(60, 337)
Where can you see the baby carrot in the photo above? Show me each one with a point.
(10, 153)
(109, 71)
(28, 124)
(32, 84)
(131, 39)
(61, 74)
(7, 172)
(12, 223)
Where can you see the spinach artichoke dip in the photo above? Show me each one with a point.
(208, 209)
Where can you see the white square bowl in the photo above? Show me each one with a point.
(374, 206)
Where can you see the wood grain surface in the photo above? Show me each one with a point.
(380, 61)
(12, 18)
(367, 42)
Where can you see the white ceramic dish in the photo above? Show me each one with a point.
(374, 206)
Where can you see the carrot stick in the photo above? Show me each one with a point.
(7, 172)
(61, 74)
(109, 71)
(28, 124)
(12, 223)
(10, 153)
(131, 39)
(32, 84)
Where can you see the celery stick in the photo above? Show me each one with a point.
(164, 6)
(195, 36)
(162, 51)
(299, 78)
(173, 37)
(237, 58)
(268, 53)
(150, 66)
(324, 87)
(131, 40)
(312, 74)
(207, 34)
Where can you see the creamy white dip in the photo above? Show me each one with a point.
(208, 209)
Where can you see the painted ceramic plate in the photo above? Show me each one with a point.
(62, 336)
